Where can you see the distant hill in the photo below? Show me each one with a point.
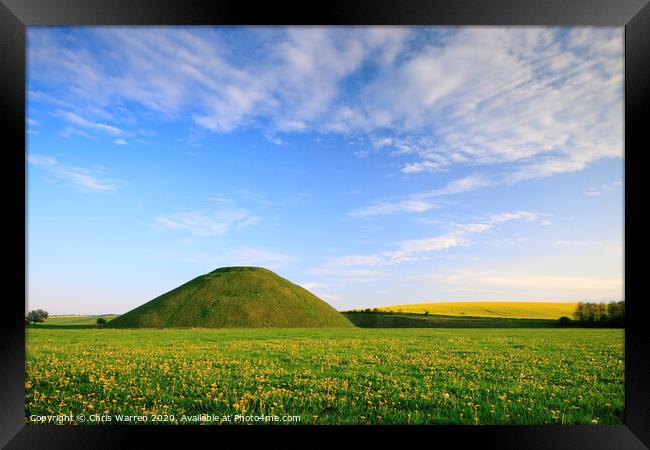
(513, 310)
(234, 297)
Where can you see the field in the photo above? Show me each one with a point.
(414, 320)
(513, 310)
(331, 376)
(72, 321)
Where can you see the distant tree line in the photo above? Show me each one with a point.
(597, 315)
(368, 310)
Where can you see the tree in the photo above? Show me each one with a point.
(37, 315)
(101, 321)
(592, 313)
(564, 321)
(600, 314)
(616, 313)
(580, 314)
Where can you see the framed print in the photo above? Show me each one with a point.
(355, 219)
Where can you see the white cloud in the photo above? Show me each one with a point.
(569, 243)
(72, 131)
(94, 180)
(417, 249)
(466, 184)
(422, 201)
(120, 142)
(202, 223)
(538, 104)
(539, 101)
(289, 80)
(413, 204)
(422, 166)
(597, 191)
(274, 139)
(518, 215)
(85, 123)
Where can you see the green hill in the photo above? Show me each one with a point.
(234, 297)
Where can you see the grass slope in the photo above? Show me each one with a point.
(234, 297)
(412, 320)
(513, 310)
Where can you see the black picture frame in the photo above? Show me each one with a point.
(634, 15)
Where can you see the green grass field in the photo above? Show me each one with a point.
(332, 376)
(414, 320)
(513, 310)
(70, 321)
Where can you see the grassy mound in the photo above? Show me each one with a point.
(234, 297)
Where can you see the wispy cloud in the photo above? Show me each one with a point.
(465, 184)
(537, 102)
(569, 243)
(518, 215)
(418, 249)
(415, 203)
(93, 180)
(422, 201)
(524, 97)
(202, 223)
(514, 279)
(193, 72)
(274, 139)
(597, 191)
(74, 119)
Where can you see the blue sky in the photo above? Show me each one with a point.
(373, 165)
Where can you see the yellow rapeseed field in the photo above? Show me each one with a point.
(514, 310)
